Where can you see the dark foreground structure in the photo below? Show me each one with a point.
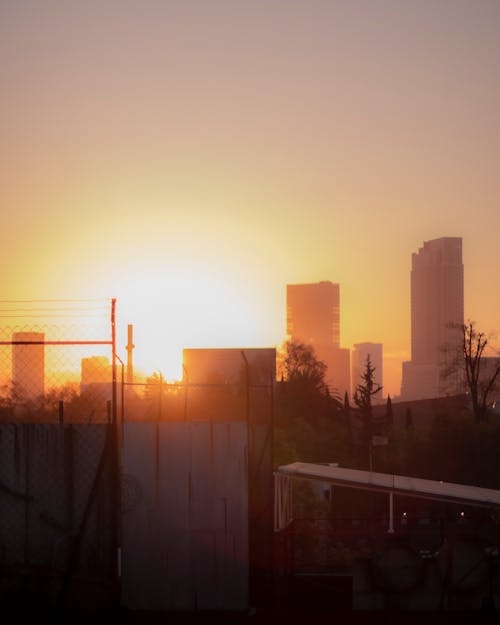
(390, 542)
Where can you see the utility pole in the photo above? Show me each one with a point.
(130, 349)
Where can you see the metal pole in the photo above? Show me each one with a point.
(130, 349)
(69, 475)
(251, 569)
(160, 398)
(391, 513)
(157, 449)
(115, 458)
(271, 425)
(186, 382)
(122, 396)
(113, 361)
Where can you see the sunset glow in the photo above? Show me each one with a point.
(181, 308)
(191, 159)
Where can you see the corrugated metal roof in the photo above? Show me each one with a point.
(397, 484)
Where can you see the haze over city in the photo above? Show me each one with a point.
(193, 158)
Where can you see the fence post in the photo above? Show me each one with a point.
(250, 497)
(115, 480)
(186, 383)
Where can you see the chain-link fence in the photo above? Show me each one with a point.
(58, 454)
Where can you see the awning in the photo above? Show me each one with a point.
(395, 484)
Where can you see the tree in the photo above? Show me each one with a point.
(479, 373)
(367, 389)
(347, 418)
(479, 386)
(363, 400)
(301, 366)
(154, 383)
(309, 421)
(389, 413)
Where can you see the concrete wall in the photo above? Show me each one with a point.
(185, 516)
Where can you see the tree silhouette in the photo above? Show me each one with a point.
(389, 413)
(302, 367)
(367, 389)
(310, 423)
(479, 387)
(363, 400)
(470, 364)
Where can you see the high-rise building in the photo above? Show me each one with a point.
(437, 308)
(28, 365)
(360, 353)
(313, 315)
(313, 318)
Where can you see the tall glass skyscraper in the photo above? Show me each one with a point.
(437, 307)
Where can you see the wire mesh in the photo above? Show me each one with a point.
(58, 451)
(55, 371)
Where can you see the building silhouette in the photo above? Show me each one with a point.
(437, 308)
(360, 353)
(313, 313)
(229, 366)
(96, 378)
(28, 365)
(313, 318)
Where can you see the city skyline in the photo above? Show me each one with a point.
(192, 160)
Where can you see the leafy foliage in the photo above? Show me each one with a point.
(310, 425)
(301, 367)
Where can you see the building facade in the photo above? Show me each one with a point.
(28, 365)
(313, 313)
(437, 312)
(313, 318)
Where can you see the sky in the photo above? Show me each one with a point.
(191, 158)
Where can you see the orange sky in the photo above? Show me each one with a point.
(191, 158)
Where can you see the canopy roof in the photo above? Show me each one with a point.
(395, 484)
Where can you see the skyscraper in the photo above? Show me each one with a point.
(28, 364)
(359, 355)
(437, 304)
(313, 315)
(313, 318)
